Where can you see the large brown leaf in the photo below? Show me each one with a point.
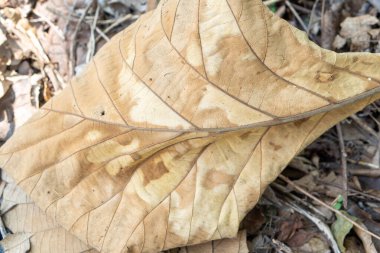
(180, 122)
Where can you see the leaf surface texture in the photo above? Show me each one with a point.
(179, 124)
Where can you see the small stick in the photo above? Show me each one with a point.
(364, 125)
(369, 165)
(92, 43)
(299, 19)
(105, 37)
(343, 158)
(295, 13)
(297, 199)
(319, 223)
(73, 44)
(53, 26)
(116, 23)
(281, 247)
(269, 2)
(287, 180)
(311, 22)
(365, 172)
(72, 9)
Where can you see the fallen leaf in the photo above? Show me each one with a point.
(171, 141)
(32, 230)
(16, 105)
(366, 239)
(353, 245)
(340, 228)
(316, 245)
(289, 227)
(357, 29)
(235, 245)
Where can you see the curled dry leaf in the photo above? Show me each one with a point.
(180, 122)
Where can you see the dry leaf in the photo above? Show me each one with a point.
(178, 125)
(236, 245)
(32, 230)
(35, 232)
(316, 245)
(357, 29)
(366, 239)
(16, 105)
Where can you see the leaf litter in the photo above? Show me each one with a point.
(36, 40)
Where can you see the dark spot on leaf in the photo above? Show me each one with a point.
(275, 146)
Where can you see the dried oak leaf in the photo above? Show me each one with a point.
(180, 122)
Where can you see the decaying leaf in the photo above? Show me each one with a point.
(358, 30)
(340, 228)
(178, 125)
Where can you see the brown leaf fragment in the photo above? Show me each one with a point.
(366, 240)
(315, 244)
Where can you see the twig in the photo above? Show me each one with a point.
(91, 43)
(295, 13)
(53, 26)
(343, 158)
(281, 247)
(116, 23)
(73, 44)
(287, 180)
(312, 14)
(323, 14)
(105, 37)
(299, 19)
(295, 198)
(369, 165)
(353, 191)
(320, 224)
(269, 2)
(72, 9)
(364, 125)
(365, 172)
